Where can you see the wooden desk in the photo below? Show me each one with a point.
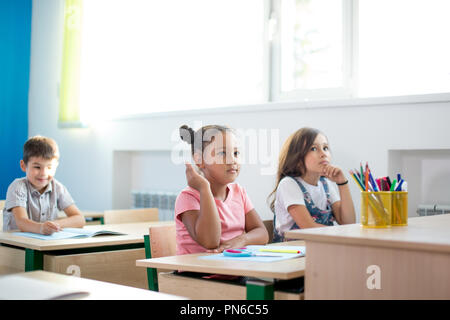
(50, 284)
(283, 270)
(352, 262)
(105, 258)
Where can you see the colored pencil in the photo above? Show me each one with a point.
(358, 183)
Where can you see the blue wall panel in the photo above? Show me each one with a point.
(15, 39)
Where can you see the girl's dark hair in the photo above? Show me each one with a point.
(202, 137)
(291, 161)
(39, 146)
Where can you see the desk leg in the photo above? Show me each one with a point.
(259, 290)
(34, 260)
(152, 274)
(152, 277)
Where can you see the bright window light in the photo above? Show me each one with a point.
(141, 56)
(404, 47)
(311, 44)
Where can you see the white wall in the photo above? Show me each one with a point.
(363, 130)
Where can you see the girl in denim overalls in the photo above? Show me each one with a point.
(303, 196)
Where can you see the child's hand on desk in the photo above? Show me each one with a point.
(49, 227)
(334, 173)
(194, 179)
(237, 242)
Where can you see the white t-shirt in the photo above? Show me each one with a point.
(289, 193)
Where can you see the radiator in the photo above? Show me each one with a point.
(432, 209)
(164, 201)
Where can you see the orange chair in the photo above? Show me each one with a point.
(160, 242)
(130, 215)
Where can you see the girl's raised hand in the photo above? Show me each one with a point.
(194, 179)
(334, 173)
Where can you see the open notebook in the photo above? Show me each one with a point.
(68, 233)
(261, 256)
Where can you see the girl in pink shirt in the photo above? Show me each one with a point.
(213, 213)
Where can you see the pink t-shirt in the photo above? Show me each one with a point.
(232, 213)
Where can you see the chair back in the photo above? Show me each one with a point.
(162, 240)
(131, 215)
(269, 226)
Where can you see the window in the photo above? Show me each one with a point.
(333, 49)
(403, 47)
(311, 49)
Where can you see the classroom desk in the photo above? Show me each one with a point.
(105, 258)
(94, 217)
(202, 289)
(352, 262)
(38, 285)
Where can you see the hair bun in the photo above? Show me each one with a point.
(187, 134)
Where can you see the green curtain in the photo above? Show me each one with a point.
(69, 104)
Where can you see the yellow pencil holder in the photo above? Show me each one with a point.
(399, 208)
(376, 209)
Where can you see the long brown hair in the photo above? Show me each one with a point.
(291, 161)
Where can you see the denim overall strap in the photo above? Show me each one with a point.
(325, 217)
(327, 190)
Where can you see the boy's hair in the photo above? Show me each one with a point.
(291, 161)
(39, 146)
(202, 137)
